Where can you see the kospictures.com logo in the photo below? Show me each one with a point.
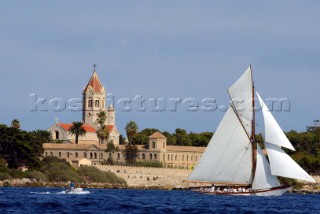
(154, 104)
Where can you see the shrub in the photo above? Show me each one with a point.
(4, 176)
(59, 170)
(155, 164)
(92, 174)
(114, 179)
(15, 173)
(39, 176)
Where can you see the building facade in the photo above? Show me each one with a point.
(93, 102)
(91, 152)
(157, 149)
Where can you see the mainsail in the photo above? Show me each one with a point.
(228, 156)
(241, 97)
(263, 178)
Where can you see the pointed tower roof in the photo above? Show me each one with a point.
(94, 84)
(157, 135)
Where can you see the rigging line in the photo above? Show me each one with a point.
(234, 110)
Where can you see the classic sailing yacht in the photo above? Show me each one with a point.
(234, 163)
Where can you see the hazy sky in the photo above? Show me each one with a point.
(159, 49)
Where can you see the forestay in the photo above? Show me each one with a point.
(241, 96)
(263, 178)
(228, 156)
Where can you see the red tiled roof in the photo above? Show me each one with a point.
(86, 127)
(94, 83)
(109, 128)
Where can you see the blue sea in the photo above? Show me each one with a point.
(54, 200)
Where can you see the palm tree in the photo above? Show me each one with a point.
(15, 124)
(102, 116)
(102, 133)
(43, 135)
(77, 130)
(131, 130)
(130, 154)
(111, 148)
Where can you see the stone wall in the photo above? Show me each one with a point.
(156, 177)
(150, 177)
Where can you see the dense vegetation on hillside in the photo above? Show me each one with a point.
(19, 148)
(307, 144)
(23, 148)
(54, 169)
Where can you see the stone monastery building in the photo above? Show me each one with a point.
(88, 151)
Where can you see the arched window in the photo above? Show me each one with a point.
(168, 157)
(143, 156)
(101, 155)
(150, 156)
(172, 157)
(187, 157)
(91, 155)
(155, 156)
(191, 157)
(90, 103)
(96, 103)
(164, 157)
(76, 154)
(95, 155)
(85, 154)
(56, 134)
(176, 157)
(153, 144)
(182, 157)
(59, 154)
(118, 156)
(68, 154)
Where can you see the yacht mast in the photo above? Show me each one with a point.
(253, 131)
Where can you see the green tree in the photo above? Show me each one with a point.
(131, 130)
(171, 139)
(121, 139)
(182, 137)
(20, 148)
(77, 130)
(15, 124)
(130, 154)
(102, 133)
(102, 117)
(43, 136)
(111, 149)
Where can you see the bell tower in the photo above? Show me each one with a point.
(93, 100)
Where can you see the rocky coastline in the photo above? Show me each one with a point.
(26, 182)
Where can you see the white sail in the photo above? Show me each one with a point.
(241, 97)
(228, 156)
(263, 178)
(273, 132)
(283, 165)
